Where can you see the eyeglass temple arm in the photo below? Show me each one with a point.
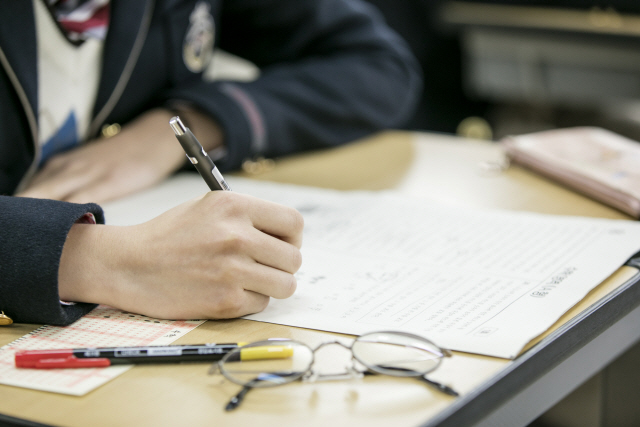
(237, 399)
(443, 388)
(439, 386)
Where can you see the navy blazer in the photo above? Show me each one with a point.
(330, 72)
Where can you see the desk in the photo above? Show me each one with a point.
(493, 391)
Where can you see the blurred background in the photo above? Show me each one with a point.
(500, 67)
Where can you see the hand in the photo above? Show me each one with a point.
(144, 153)
(219, 256)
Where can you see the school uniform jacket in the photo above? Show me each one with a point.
(330, 72)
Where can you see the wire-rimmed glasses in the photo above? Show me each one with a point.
(276, 362)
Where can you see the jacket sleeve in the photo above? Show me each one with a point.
(33, 233)
(331, 71)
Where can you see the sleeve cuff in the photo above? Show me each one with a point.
(33, 232)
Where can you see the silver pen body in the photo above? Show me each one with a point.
(198, 157)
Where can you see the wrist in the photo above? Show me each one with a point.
(90, 263)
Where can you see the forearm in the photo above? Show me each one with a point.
(142, 154)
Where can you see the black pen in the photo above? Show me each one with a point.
(107, 356)
(197, 156)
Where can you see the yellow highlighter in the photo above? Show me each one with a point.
(266, 352)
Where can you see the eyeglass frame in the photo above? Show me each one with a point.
(310, 376)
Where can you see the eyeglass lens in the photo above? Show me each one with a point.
(397, 354)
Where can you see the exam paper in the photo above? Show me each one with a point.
(477, 281)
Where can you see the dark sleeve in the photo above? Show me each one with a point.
(331, 71)
(32, 234)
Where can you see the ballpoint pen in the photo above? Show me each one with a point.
(107, 356)
(197, 156)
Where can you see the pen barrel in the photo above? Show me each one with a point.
(166, 359)
(158, 354)
(202, 162)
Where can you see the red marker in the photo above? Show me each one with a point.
(43, 359)
(101, 357)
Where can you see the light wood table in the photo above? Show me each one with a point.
(424, 165)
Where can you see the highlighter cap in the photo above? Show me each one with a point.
(266, 352)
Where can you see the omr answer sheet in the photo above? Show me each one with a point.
(477, 281)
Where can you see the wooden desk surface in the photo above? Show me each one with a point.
(423, 165)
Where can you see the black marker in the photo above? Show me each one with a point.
(106, 356)
(197, 156)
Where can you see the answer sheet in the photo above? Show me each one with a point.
(102, 327)
(477, 281)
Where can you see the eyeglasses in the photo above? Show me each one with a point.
(277, 362)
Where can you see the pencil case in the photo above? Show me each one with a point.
(593, 161)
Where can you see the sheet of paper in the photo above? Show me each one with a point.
(102, 327)
(475, 281)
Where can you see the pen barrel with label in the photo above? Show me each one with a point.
(158, 354)
(198, 156)
(123, 355)
(107, 356)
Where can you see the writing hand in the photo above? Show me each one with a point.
(219, 256)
